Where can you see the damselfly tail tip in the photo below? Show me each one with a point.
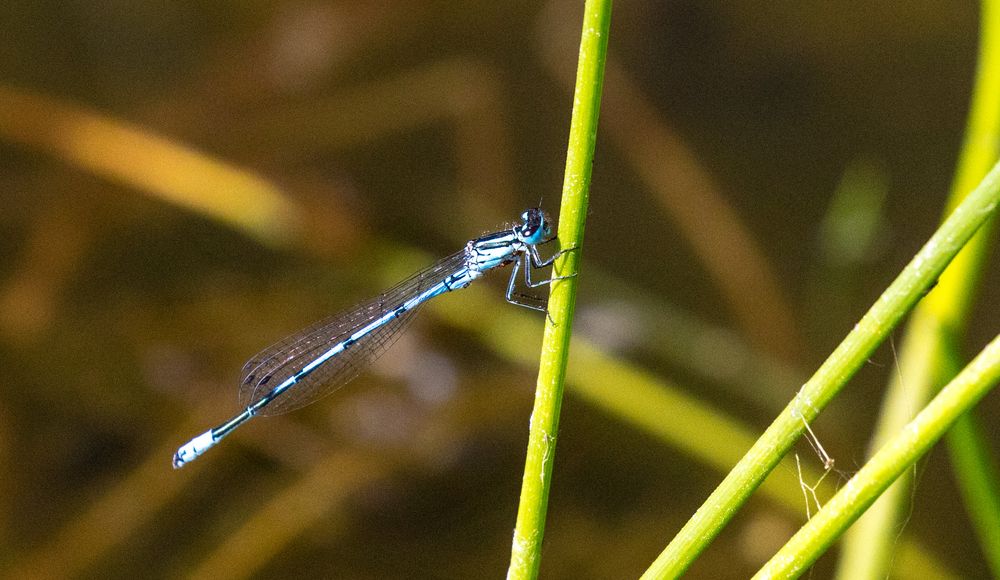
(195, 447)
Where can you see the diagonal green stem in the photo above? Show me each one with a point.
(899, 453)
(928, 358)
(525, 557)
(640, 400)
(846, 359)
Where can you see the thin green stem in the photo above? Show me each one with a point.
(899, 453)
(525, 556)
(638, 399)
(869, 545)
(626, 392)
(846, 359)
(929, 347)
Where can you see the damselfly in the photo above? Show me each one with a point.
(318, 360)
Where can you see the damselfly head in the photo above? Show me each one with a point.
(535, 227)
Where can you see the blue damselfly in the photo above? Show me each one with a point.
(318, 360)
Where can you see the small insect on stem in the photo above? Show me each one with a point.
(318, 360)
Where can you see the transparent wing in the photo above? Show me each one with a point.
(276, 363)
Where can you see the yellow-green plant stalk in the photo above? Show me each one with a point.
(898, 454)
(526, 548)
(928, 356)
(897, 300)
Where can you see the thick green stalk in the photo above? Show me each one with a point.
(845, 360)
(525, 556)
(899, 453)
(929, 348)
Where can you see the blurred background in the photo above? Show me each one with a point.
(182, 184)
